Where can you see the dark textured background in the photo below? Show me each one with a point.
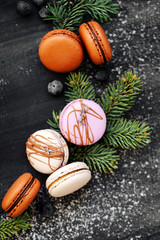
(125, 206)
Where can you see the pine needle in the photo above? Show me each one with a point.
(98, 157)
(69, 14)
(10, 227)
(54, 124)
(79, 86)
(119, 132)
(119, 98)
(123, 133)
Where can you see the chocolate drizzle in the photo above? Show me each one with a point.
(82, 126)
(38, 145)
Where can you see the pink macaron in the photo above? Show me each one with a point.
(82, 122)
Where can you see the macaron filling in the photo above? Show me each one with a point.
(60, 31)
(97, 41)
(23, 194)
(64, 176)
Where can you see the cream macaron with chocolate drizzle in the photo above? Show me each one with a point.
(47, 151)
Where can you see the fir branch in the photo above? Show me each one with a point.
(54, 123)
(67, 14)
(79, 86)
(74, 16)
(98, 157)
(58, 14)
(10, 227)
(119, 132)
(100, 10)
(125, 134)
(118, 99)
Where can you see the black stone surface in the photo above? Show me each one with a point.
(124, 206)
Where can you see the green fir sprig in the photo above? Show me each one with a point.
(100, 10)
(55, 123)
(123, 133)
(79, 86)
(10, 227)
(119, 98)
(120, 132)
(69, 14)
(65, 14)
(98, 157)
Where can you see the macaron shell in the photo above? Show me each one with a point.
(27, 199)
(102, 38)
(78, 133)
(65, 170)
(15, 190)
(70, 183)
(39, 161)
(64, 145)
(91, 44)
(61, 51)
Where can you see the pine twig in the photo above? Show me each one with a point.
(58, 14)
(125, 134)
(98, 157)
(119, 132)
(101, 10)
(10, 227)
(79, 86)
(54, 123)
(65, 14)
(69, 14)
(118, 99)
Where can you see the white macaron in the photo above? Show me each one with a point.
(47, 151)
(68, 179)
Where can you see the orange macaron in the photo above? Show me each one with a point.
(96, 42)
(20, 195)
(61, 51)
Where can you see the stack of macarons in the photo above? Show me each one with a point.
(61, 50)
(48, 153)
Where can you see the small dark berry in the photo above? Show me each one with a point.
(55, 87)
(39, 3)
(43, 12)
(24, 8)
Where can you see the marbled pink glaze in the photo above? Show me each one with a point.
(97, 125)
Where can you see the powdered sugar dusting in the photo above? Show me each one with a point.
(125, 205)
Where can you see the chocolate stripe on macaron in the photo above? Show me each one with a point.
(20, 196)
(90, 26)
